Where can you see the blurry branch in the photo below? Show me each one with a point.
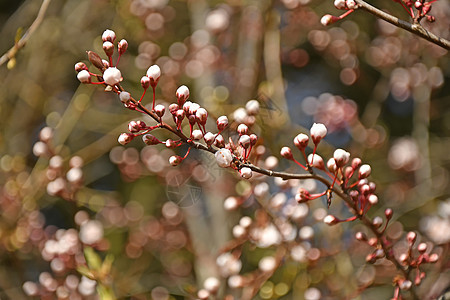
(415, 28)
(11, 53)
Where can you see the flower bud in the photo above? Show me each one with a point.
(160, 110)
(301, 141)
(145, 82)
(316, 162)
(246, 172)
(125, 138)
(411, 237)
(286, 152)
(180, 114)
(173, 108)
(253, 139)
(356, 163)
(175, 160)
(197, 134)
(219, 141)
(80, 66)
(170, 144)
(209, 138)
(422, 247)
(154, 72)
(388, 213)
(373, 199)
(105, 63)
(405, 285)
(112, 76)
(108, 47)
(302, 195)
(252, 107)
(330, 220)
(182, 94)
(341, 157)
(96, 60)
(193, 109)
(136, 126)
(108, 36)
(84, 76)
(201, 116)
(124, 97)
(351, 4)
(224, 157)
(244, 141)
(149, 139)
(377, 222)
(331, 165)
(222, 122)
(364, 171)
(361, 236)
(242, 129)
(122, 46)
(212, 284)
(328, 20)
(340, 4)
(318, 131)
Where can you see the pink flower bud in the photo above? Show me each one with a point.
(224, 157)
(154, 72)
(340, 4)
(182, 94)
(209, 138)
(160, 110)
(301, 141)
(112, 76)
(433, 258)
(364, 171)
(122, 46)
(145, 82)
(136, 126)
(302, 195)
(197, 134)
(317, 162)
(252, 107)
(253, 139)
(244, 141)
(84, 76)
(108, 35)
(222, 122)
(422, 247)
(246, 172)
(80, 66)
(330, 220)
(201, 115)
(108, 47)
(150, 139)
(124, 97)
(411, 237)
(318, 131)
(373, 199)
(341, 157)
(286, 152)
(125, 138)
(388, 213)
(175, 160)
(242, 129)
(331, 165)
(356, 163)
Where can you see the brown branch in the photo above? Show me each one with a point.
(11, 53)
(416, 29)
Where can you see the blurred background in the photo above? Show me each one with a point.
(66, 184)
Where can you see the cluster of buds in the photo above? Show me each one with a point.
(421, 7)
(348, 5)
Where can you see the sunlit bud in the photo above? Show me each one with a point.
(328, 19)
(244, 141)
(340, 4)
(341, 157)
(124, 97)
(411, 237)
(182, 94)
(403, 258)
(422, 247)
(173, 108)
(301, 141)
(150, 139)
(80, 66)
(377, 222)
(330, 220)
(125, 138)
(360, 236)
(364, 171)
(201, 115)
(170, 143)
(175, 160)
(365, 189)
(318, 131)
(209, 138)
(317, 162)
(331, 165)
(222, 122)
(351, 4)
(224, 157)
(246, 173)
(108, 35)
(122, 46)
(203, 294)
(135, 126)
(242, 129)
(219, 141)
(145, 82)
(356, 163)
(405, 285)
(108, 47)
(160, 110)
(197, 134)
(433, 258)
(252, 107)
(211, 284)
(267, 264)
(286, 152)
(373, 199)
(84, 76)
(154, 72)
(112, 76)
(253, 139)
(388, 213)
(187, 106)
(105, 63)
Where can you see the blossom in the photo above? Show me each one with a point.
(224, 157)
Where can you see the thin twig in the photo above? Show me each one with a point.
(11, 53)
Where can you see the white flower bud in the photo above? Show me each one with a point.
(242, 129)
(201, 115)
(222, 122)
(301, 141)
(244, 140)
(124, 97)
(108, 47)
(154, 72)
(239, 231)
(351, 4)
(331, 165)
(74, 175)
(240, 115)
(197, 134)
(328, 19)
(182, 94)
(330, 220)
(209, 138)
(318, 131)
(373, 199)
(112, 76)
(252, 107)
(160, 110)
(108, 35)
(122, 46)
(145, 82)
(175, 160)
(246, 173)
(125, 138)
(317, 161)
(224, 157)
(364, 171)
(341, 157)
(340, 4)
(286, 152)
(84, 76)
